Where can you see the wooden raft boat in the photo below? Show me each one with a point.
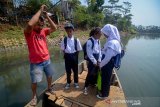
(75, 97)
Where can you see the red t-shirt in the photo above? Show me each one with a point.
(37, 45)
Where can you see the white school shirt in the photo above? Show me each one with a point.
(108, 52)
(96, 50)
(70, 48)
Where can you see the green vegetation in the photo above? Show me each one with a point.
(10, 32)
(11, 36)
(55, 34)
(148, 29)
(83, 17)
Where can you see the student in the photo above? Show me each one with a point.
(39, 56)
(71, 47)
(93, 48)
(111, 48)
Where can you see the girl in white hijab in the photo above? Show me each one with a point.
(111, 48)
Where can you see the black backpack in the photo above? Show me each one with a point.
(65, 43)
(85, 48)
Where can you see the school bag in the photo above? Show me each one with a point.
(65, 43)
(85, 48)
(118, 58)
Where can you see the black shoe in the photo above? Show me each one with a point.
(100, 97)
(67, 86)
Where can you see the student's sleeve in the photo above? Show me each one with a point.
(90, 52)
(100, 53)
(62, 45)
(108, 55)
(79, 47)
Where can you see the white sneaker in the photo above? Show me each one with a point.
(67, 86)
(76, 85)
(85, 91)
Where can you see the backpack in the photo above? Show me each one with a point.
(65, 43)
(85, 48)
(117, 59)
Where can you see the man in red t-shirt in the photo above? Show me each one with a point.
(39, 56)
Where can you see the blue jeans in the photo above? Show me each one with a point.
(37, 69)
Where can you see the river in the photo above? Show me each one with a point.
(140, 70)
(139, 73)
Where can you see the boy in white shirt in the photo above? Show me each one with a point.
(71, 47)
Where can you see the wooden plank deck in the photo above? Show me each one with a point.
(75, 97)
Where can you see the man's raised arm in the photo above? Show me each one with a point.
(53, 26)
(34, 20)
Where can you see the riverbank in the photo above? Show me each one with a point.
(12, 37)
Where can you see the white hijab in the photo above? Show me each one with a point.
(113, 40)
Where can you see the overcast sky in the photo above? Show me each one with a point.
(146, 12)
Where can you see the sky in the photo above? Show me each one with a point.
(145, 12)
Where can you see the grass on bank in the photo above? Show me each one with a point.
(14, 36)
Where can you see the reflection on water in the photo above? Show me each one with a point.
(148, 36)
(8, 59)
(14, 86)
(139, 73)
(15, 77)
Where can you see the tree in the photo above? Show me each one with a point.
(113, 4)
(118, 15)
(127, 15)
(126, 8)
(81, 18)
(91, 16)
(74, 3)
(95, 6)
(18, 3)
(34, 5)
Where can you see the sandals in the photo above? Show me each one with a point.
(51, 91)
(33, 102)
